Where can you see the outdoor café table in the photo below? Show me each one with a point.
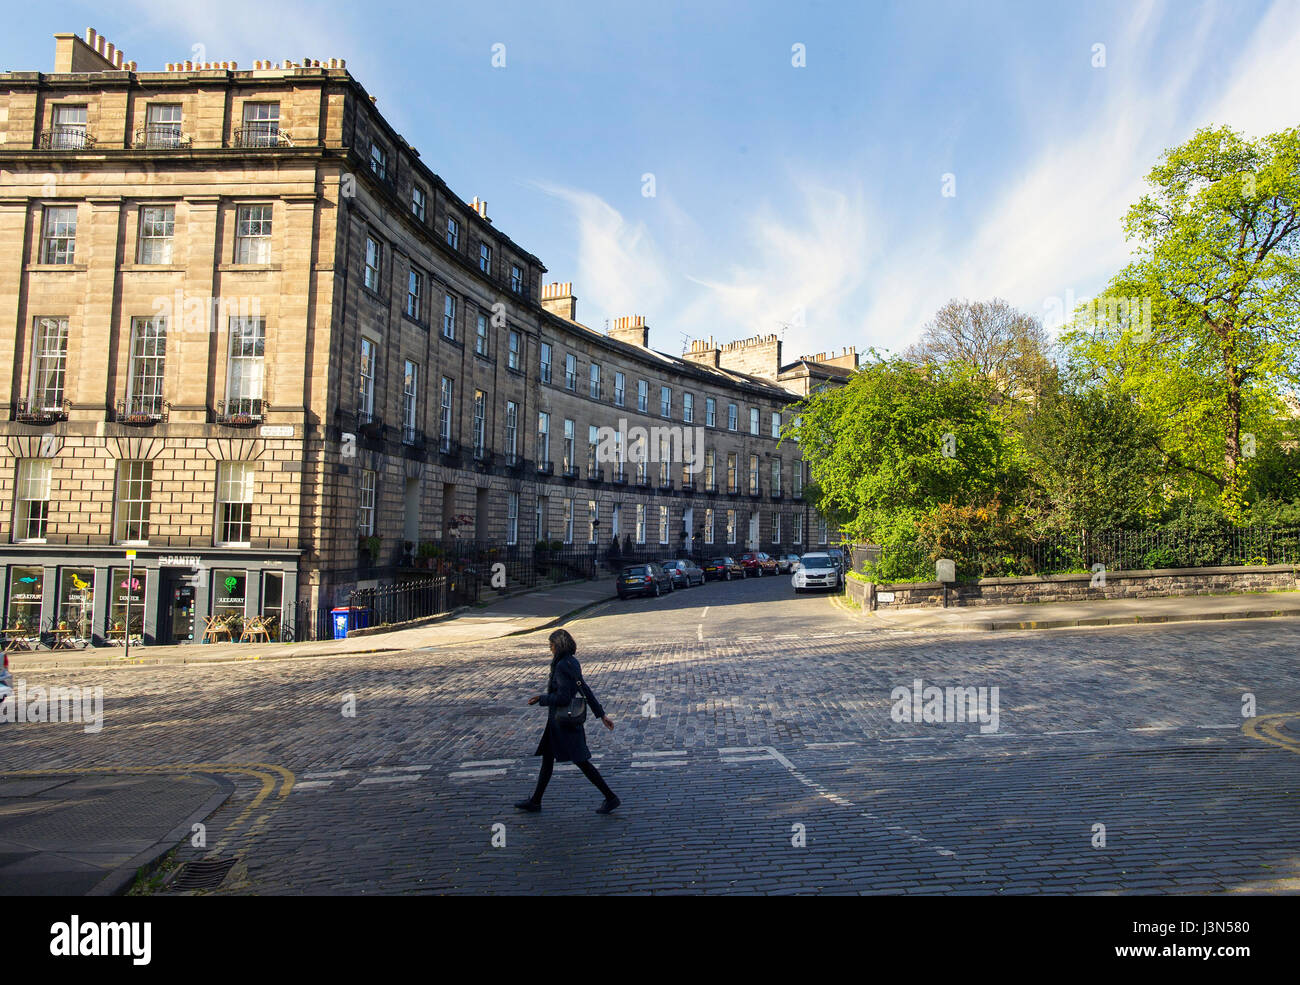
(64, 639)
(15, 640)
(118, 637)
(255, 629)
(215, 627)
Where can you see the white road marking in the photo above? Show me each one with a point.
(312, 784)
(745, 759)
(998, 735)
(406, 769)
(651, 763)
(474, 774)
(670, 752)
(1074, 731)
(1153, 728)
(916, 738)
(1233, 727)
(388, 779)
(328, 773)
(699, 632)
(829, 745)
(833, 797)
(486, 762)
(705, 613)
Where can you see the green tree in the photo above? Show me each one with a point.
(900, 438)
(1218, 259)
(1094, 454)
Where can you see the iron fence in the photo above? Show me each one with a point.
(1113, 550)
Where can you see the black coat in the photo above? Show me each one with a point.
(567, 743)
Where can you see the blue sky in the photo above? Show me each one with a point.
(803, 200)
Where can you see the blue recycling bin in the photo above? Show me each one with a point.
(345, 618)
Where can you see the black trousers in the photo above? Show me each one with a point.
(588, 770)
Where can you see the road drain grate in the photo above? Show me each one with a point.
(204, 874)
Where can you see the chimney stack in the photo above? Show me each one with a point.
(630, 329)
(558, 299)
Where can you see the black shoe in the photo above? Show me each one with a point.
(608, 806)
(530, 805)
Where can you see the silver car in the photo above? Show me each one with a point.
(815, 571)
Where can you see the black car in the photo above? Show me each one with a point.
(684, 573)
(643, 579)
(724, 569)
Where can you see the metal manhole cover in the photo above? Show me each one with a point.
(204, 874)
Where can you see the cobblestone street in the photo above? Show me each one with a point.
(742, 713)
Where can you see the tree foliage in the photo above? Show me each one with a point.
(901, 438)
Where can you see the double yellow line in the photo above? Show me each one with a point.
(274, 783)
(1267, 728)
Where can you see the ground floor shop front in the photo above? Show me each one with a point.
(85, 597)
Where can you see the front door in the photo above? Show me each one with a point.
(178, 621)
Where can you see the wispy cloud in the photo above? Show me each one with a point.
(859, 273)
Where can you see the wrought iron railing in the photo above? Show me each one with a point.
(239, 411)
(162, 136)
(143, 409)
(66, 138)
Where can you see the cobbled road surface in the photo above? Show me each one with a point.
(754, 750)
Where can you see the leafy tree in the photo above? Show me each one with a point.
(1094, 455)
(998, 342)
(900, 437)
(1218, 257)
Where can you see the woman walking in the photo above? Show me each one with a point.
(566, 742)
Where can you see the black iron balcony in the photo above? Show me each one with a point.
(689, 486)
(41, 411)
(710, 489)
(643, 481)
(369, 424)
(665, 483)
(260, 135)
(239, 412)
(483, 459)
(619, 478)
(412, 437)
(514, 462)
(595, 474)
(162, 136)
(570, 470)
(449, 451)
(66, 138)
(545, 468)
(142, 411)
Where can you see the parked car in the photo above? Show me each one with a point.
(785, 563)
(757, 563)
(815, 571)
(841, 562)
(685, 573)
(643, 579)
(724, 569)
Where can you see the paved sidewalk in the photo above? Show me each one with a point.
(89, 834)
(1107, 612)
(516, 614)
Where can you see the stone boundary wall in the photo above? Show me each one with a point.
(1158, 583)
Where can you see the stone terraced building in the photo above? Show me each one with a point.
(254, 339)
